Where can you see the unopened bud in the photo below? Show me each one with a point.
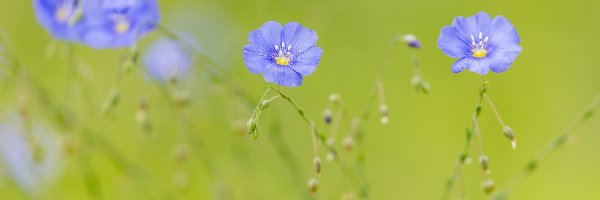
(426, 87)
(313, 185)
(327, 115)
(330, 142)
(265, 104)
(416, 82)
(330, 156)
(484, 162)
(251, 125)
(465, 159)
(383, 109)
(508, 132)
(488, 186)
(334, 97)
(412, 41)
(348, 143)
(317, 164)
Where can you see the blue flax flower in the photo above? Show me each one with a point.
(117, 23)
(283, 54)
(59, 17)
(480, 43)
(167, 59)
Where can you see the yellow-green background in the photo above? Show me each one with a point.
(552, 80)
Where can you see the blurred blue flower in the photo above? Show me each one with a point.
(481, 43)
(30, 161)
(283, 54)
(59, 17)
(117, 23)
(167, 59)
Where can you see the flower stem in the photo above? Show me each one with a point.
(463, 156)
(554, 144)
(322, 139)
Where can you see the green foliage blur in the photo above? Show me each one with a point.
(211, 156)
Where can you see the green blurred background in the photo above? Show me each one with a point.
(552, 80)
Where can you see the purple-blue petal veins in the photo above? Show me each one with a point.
(167, 59)
(117, 23)
(61, 18)
(480, 43)
(283, 54)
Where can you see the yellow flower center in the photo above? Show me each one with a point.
(479, 45)
(282, 60)
(479, 53)
(284, 54)
(122, 26)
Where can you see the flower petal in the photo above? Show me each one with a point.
(284, 76)
(267, 36)
(307, 62)
(452, 44)
(480, 66)
(503, 56)
(465, 27)
(299, 37)
(255, 58)
(501, 30)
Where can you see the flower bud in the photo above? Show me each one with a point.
(484, 162)
(330, 142)
(327, 115)
(334, 97)
(416, 82)
(465, 159)
(383, 109)
(412, 41)
(313, 185)
(488, 186)
(348, 143)
(251, 125)
(426, 87)
(330, 156)
(508, 132)
(317, 164)
(265, 104)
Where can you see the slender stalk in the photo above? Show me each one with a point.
(553, 145)
(322, 139)
(463, 156)
(489, 100)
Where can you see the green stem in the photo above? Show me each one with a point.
(464, 154)
(322, 139)
(553, 145)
